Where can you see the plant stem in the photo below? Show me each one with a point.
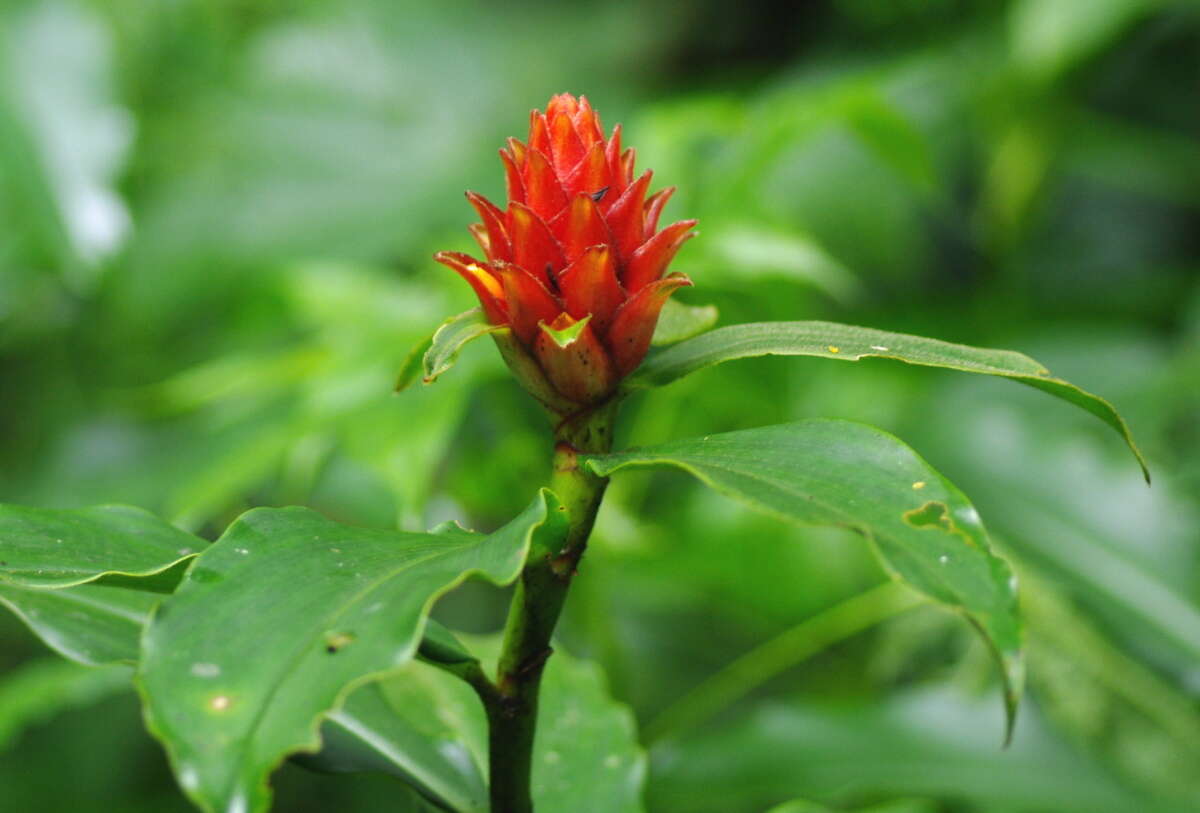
(533, 614)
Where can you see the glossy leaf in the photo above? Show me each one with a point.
(838, 473)
(90, 623)
(586, 747)
(280, 618)
(678, 321)
(369, 734)
(96, 625)
(49, 548)
(851, 343)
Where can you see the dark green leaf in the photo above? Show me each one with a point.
(928, 743)
(279, 619)
(39, 689)
(829, 472)
(369, 734)
(850, 343)
(586, 747)
(438, 645)
(117, 544)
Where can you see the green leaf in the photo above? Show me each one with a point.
(678, 321)
(439, 646)
(439, 352)
(92, 624)
(586, 747)
(829, 472)
(40, 689)
(909, 743)
(413, 363)
(851, 343)
(1049, 38)
(112, 544)
(750, 251)
(279, 619)
(568, 335)
(411, 743)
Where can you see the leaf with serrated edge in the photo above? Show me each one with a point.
(851, 343)
(831, 472)
(281, 618)
(117, 544)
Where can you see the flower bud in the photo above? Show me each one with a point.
(575, 266)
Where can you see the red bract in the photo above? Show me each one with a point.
(575, 265)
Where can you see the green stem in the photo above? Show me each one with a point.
(533, 615)
(782, 652)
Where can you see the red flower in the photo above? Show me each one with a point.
(575, 264)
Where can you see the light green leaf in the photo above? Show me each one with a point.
(829, 472)
(1049, 38)
(113, 544)
(851, 343)
(279, 619)
(678, 321)
(439, 352)
(750, 251)
(92, 624)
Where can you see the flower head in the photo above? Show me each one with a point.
(575, 265)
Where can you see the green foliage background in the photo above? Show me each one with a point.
(217, 219)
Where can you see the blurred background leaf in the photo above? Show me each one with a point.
(218, 218)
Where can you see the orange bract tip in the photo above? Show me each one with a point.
(562, 104)
(654, 207)
(651, 259)
(533, 245)
(590, 287)
(512, 177)
(482, 281)
(527, 299)
(580, 227)
(498, 247)
(626, 217)
(539, 132)
(543, 192)
(565, 143)
(590, 174)
(631, 331)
